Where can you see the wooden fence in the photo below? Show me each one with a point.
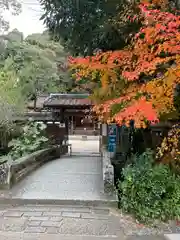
(132, 140)
(136, 141)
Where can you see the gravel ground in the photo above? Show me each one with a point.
(132, 227)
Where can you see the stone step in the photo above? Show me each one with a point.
(145, 237)
(68, 222)
(36, 236)
(111, 202)
(47, 222)
(85, 154)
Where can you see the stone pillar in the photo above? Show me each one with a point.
(108, 172)
(103, 134)
(5, 175)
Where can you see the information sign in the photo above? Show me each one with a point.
(112, 136)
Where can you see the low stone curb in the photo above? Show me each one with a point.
(86, 203)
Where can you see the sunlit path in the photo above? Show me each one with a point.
(84, 147)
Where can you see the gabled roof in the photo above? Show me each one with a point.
(68, 100)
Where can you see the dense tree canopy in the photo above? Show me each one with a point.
(139, 81)
(28, 67)
(85, 25)
(11, 101)
(35, 62)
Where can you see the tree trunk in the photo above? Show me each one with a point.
(35, 103)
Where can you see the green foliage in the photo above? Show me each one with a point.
(84, 25)
(11, 101)
(27, 68)
(177, 99)
(14, 36)
(35, 62)
(31, 140)
(150, 191)
(115, 108)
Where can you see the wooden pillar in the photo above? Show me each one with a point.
(66, 135)
(94, 125)
(72, 123)
(62, 117)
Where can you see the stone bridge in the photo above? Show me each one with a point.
(79, 177)
(42, 205)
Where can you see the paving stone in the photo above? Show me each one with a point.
(71, 214)
(12, 214)
(100, 211)
(93, 216)
(32, 208)
(89, 227)
(51, 224)
(56, 219)
(42, 218)
(55, 214)
(32, 214)
(37, 229)
(71, 209)
(12, 224)
(52, 230)
(34, 223)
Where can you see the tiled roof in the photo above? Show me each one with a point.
(68, 100)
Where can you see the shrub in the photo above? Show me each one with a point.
(150, 191)
(169, 152)
(31, 140)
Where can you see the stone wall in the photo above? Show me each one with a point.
(5, 175)
(11, 173)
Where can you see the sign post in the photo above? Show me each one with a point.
(112, 138)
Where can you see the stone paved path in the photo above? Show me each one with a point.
(62, 223)
(69, 177)
(57, 222)
(73, 177)
(77, 177)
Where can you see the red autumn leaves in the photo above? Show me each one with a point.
(155, 46)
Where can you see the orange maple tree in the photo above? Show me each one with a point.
(148, 71)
